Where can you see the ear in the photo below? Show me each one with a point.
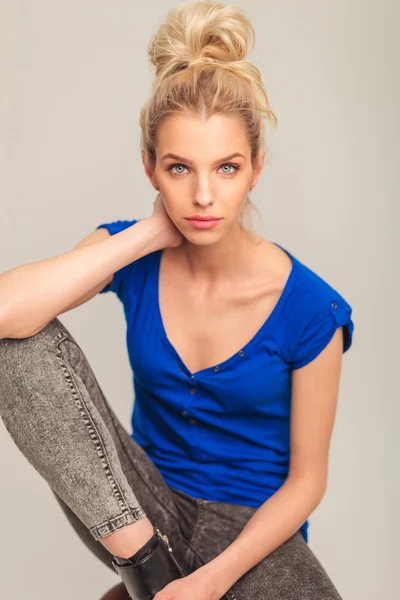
(149, 171)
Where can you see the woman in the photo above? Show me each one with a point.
(235, 347)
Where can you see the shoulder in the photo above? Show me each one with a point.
(314, 293)
(314, 311)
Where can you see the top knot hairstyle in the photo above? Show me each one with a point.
(198, 55)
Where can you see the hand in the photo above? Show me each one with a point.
(173, 235)
(195, 586)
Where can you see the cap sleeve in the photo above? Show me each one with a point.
(322, 319)
(121, 275)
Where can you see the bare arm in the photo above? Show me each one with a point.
(314, 400)
(33, 294)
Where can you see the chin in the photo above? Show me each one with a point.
(203, 240)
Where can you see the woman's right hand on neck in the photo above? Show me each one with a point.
(170, 231)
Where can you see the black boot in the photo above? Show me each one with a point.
(149, 570)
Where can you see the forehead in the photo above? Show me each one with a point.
(185, 132)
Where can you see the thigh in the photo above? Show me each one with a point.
(290, 572)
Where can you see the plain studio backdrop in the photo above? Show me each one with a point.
(74, 77)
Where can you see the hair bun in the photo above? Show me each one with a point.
(201, 32)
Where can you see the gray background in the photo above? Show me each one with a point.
(74, 76)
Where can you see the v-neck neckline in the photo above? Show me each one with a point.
(229, 362)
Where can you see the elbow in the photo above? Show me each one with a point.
(3, 324)
(16, 335)
(320, 494)
(312, 485)
(7, 331)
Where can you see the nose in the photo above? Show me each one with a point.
(203, 195)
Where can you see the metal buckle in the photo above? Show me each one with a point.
(164, 538)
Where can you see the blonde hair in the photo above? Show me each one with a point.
(198, 54)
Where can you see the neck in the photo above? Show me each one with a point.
(222, 261)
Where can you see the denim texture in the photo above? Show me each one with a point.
(56, 413)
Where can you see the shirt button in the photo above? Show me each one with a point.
(184, 413)
(192, 390)
(192, 377)
(241, 352)
(216, 368)
(334, 305)
(192, 421)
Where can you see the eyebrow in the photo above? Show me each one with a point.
(226, 158)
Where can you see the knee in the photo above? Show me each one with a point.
(33, 374)
(24, 358)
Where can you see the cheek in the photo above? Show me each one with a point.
(173, 207)
(234, 204)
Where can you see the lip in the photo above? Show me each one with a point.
(203, 224)
(200, 218)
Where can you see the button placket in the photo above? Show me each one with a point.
(192, 390)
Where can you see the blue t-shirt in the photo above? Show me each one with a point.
(223, 433)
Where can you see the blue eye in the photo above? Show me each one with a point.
(232, 165)
(235, 167)
(173, 166)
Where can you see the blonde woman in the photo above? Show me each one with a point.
(235, 347)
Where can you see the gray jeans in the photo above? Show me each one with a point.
(56, 413)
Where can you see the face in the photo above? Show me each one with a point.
(210, 173)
